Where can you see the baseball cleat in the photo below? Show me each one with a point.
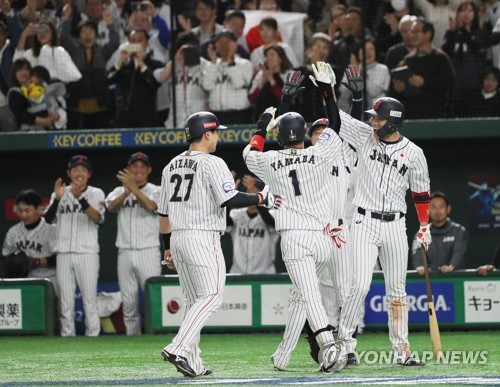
(180, 362)
(333, 357)
(411, 361)
(206, 372)
(402, 356)
(351, 359)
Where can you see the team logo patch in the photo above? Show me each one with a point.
(324, 136)
(228, 186)
(208, 125)
(395, 113)
(376, 104)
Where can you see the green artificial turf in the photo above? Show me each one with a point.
(111, 360)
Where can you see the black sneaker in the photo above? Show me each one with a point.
(206, 372)
(411, 361)
(180, 362)
(351, 359)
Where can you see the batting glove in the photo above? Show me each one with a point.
(323, 73)
(424, 237)
(292, 83)
(266, 119)
(355, 81)
(336, 234)
(269, 200)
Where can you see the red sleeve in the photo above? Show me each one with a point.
(276, 90)
(254, 96)
(422, 203)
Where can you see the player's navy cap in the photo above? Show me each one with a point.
(79, 160)
(139, 156)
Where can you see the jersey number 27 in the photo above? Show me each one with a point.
(177, 180)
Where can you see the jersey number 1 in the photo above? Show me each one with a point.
(177, 179)
(295, 182)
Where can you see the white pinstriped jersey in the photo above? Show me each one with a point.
(76, 232)
(138, 228)
(385, 171)
(301, 176)
(340, 175)
(194, 186)
(254, 243)
(36, 243)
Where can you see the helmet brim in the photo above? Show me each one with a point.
(372, 112)
(221, 127)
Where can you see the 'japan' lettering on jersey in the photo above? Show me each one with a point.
(36, 243)
(193, 188)
(138, 228)
(76, 232)
(302, 176)
(385, 171)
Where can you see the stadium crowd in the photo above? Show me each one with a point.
(90, 64)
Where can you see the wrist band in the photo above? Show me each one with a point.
(84, 203)
(357, 99)
(166, 240)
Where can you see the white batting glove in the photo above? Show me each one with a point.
(324, 73)
(336, 234)
(266, 119)
(272, 124)
(424, 237)
(269, 200)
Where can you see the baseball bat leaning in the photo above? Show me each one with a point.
(433, 322)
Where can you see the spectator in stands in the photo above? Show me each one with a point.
(33, 237)
(205, 12)
(36, 10)
(234, 22)
(485, 101)
(253, 37)
(495, 263)
(20, 103)
(268, 28)
(425, 92)
(348, 44)
(134, 70)
(396, 53)
(227, 78)
(338, 27)
(10, 32)
(253, 234)
(378, 78)
(89, 98)
(266, 86)
(190, 97)
(439, 13)
(96, 11)
(385, 27)
(46, 52)
(449, 239)
(309, 103)
(465, 43)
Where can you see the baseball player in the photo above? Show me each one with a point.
(309, 231)
(33, 236)
(77, 209)
(332, 279)
(196, 188)
(253, 234)
(137, 240)
(388, 165)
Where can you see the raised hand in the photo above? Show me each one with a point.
(292, 83)
(266, 119)
(59, 188)
(323, 73)
(355, 81)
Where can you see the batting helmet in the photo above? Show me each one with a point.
(291, 128)
(17, 265)
(319, 122)
(391, 109)
(199, 123)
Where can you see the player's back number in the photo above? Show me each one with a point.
(177, 180)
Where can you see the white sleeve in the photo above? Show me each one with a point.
(254, 161)
(220, 179)
(163, 200)
(59, 63)
(9, 246)
(155, 194)
(240, 74)
(354, 131)
(113, 195)
(97, 201)
(50, 246)
(419, 173)
(329, 144)
(208, 80)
